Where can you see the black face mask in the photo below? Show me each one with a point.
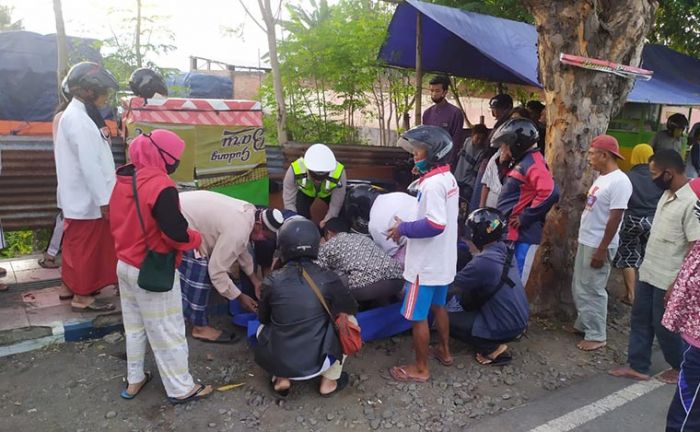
(661, 183)
(171, 168)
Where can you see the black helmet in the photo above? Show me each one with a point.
(486, 225)
(501, 101)
(298, 238)
(146, 82)
(358, 202)
(433, 139)
(519, 134)
(677, 121)
(90, 76)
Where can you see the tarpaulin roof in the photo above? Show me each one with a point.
(28, 64)
(201, 85)
(488, 48)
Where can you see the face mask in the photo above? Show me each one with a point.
(421, 166)
(171, 168)
(661, 183)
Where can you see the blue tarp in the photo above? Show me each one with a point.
(494, 49)
(200, 85)
(28, 64)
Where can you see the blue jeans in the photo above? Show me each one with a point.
(684, 412)
(647, 311)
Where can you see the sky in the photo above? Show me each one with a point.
(198, 26)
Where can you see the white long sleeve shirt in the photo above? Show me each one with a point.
(84, 164)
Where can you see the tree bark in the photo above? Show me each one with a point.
(61, 45)
(137, 36)
(579, 106)
(270, 25)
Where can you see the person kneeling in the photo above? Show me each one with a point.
(492, 294)
(296, 338)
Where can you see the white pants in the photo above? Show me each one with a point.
(56, 236)
(158, 318)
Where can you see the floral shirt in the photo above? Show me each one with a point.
(359, 258)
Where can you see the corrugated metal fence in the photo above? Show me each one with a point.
(28, 173)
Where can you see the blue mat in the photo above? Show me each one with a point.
(375, 323)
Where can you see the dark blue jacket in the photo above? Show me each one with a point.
(528, 193)
(505, 314)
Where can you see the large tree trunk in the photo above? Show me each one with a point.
(61, 45)
(270, 25)
(580, 104)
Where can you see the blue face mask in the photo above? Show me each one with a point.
(421, 166)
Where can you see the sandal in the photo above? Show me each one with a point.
(433, 351)
(398, 373)
(128, 396)
(48, 263)
(501, 360)
(224, 338)
(3, 272)
(70, 295)
(96, 306)
(197, 395)
(341, 383)
(282, 393)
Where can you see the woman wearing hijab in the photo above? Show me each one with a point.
(153, 316)
(639, 215)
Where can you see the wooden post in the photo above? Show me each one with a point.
(61, 46)
(418, 114)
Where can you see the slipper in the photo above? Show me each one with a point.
(602, 345)
(398, 373)
(96, 306)
(48, 263)
(126, 395)
(342, 382)
(70, 296)
(436, 355)
(224, 338)
(280, 393)
(3, 272)
(501, 360)
(191, 398)
(4, 287)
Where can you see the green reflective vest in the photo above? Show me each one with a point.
(308, 187)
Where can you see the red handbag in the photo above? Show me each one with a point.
(348, 331)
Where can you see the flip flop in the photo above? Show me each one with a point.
(3, 272)
(191, 398)
(398, 373)
(501, 360)
(48, 263)
(96, 306)
(342, 382)
(4, 287)
(282, 394)
(70, 296)
(436, 355)
(602, 345)
(224, 338)
(128, 396)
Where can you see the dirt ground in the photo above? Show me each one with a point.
(75, 386)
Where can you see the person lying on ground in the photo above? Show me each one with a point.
(296, 339)
(495, 309)
(227, 225)
(374, 277)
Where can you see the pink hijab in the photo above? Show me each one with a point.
(144, 150)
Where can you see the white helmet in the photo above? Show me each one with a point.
(319, 158)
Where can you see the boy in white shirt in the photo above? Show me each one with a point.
(431, 251)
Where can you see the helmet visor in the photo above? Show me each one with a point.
(410, 145)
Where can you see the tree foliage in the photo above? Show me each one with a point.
(6, 22)
(678, 26)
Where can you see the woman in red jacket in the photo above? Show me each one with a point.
(153, 316)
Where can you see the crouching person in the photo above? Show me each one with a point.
(492, 294)
(296, 339)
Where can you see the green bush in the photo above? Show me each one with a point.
(25, 242)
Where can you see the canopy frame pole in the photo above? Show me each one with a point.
(418, 115)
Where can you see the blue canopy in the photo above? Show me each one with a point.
(487, 48)
(200, 85)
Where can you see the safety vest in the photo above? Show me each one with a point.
(308, 187)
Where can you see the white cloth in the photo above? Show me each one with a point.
(433, 260)
(84, 164)
(156, 317)
(56, 236)
(608, 192)
(492, 180)
(386, 207)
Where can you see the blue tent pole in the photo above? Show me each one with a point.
(419, 70)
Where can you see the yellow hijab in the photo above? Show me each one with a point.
(641, 154)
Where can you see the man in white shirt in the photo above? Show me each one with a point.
(86, 176)
(598, 240)
(431, 250)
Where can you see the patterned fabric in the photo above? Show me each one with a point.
(634, 234)
(359, 258)
(683, 308)
(196, 287)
